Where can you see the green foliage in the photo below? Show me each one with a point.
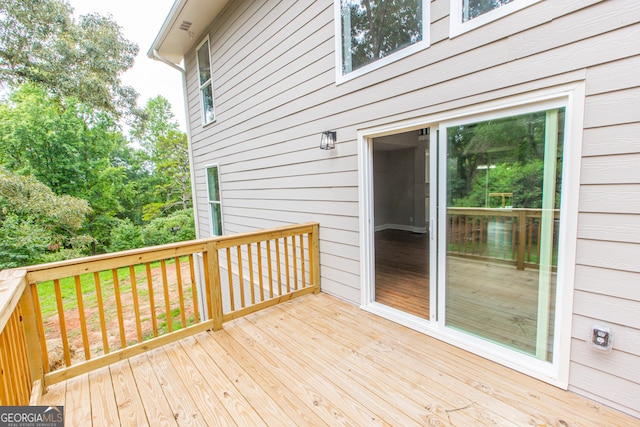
(125, 235)
(176, 227)
(168, 154)
(22, 241)
(36, 224)
(41, 43)
(500, 156)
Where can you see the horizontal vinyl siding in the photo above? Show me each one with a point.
(275, 92)
(607, 285)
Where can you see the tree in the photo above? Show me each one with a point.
(35, 220)
(72, 149)
(158, 133)
(41, 43)
(177, 227)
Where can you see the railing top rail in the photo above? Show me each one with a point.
(262, 235)
(498, 211)
(78, 266)
(12, 286)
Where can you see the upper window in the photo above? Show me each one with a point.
(376, 32)
(215, 202)
(204, 80)
(469, 14)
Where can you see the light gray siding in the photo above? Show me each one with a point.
(275, 92)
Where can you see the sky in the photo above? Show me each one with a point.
(141, 21)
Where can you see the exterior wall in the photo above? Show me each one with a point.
(275, 92)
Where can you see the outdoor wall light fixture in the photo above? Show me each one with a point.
(328, 140)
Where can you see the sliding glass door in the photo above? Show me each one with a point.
(500, 186)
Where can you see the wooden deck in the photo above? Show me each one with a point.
(317, 361)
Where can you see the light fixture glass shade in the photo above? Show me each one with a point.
(328, 140)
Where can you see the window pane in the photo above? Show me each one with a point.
(204, 64)
(502, 229)
(212, 182)
(374, 29)
(474, 8)
(216, 219)
(208, 114)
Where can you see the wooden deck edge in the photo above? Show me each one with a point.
(134, 350)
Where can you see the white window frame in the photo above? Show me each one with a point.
(402, 53)
(209, 82)
(211, 203)
(457, 27)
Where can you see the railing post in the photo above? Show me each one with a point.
(315, 258)
(32, 340)
(213, 270)
(522, 237)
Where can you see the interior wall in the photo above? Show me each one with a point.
(399, 172)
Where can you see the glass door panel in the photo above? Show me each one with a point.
(501, 228)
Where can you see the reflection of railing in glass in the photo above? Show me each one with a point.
(509, 236)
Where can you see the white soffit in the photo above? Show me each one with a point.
(184, 26)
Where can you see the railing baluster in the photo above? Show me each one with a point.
(152, 302)
(116, 290)
(103, 323)
(303, 283)
(167, 301)
(83, 320)
(183, 318)
(250, 261)
(286, 264)
(240, 275)
(278, 267)
(260, 278)
(295, 262)
(136, 303)
(63, 325)
(230, 275)
(194, 290)
(269, 269)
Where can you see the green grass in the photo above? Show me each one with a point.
(47, 296)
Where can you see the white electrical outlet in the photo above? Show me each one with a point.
(600, 338)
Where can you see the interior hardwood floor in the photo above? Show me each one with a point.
(402, 271)
(318, 361)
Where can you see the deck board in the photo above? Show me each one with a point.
(104, 406)
(319, 361)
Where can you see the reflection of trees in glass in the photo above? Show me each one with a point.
(500, 156)
(373, 29)
(474, 8)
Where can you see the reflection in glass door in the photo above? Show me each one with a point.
(501, 228)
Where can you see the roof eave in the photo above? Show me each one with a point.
(186, 20)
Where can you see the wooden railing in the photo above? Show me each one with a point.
(63, 319)
(505, 235)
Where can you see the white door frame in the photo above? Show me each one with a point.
(570, 95)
